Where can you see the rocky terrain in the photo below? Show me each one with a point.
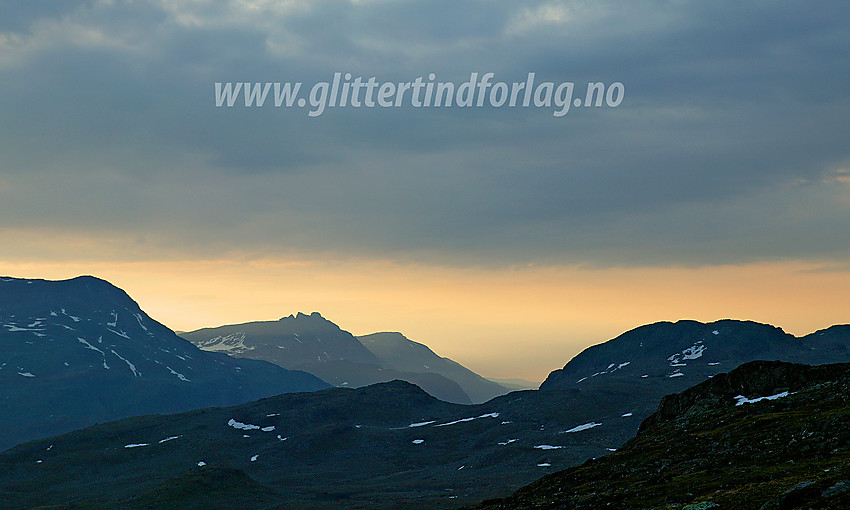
(768, 435)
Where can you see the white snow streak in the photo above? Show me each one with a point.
(582, 427)
(489, 415)
(90, 346)
(421, 424)
(132, 366)
(178, 374)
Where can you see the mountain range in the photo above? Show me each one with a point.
(78, 352)
(316, 345)
(387, 445)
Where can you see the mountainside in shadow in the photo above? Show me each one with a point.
(316, 345)
(399, 353)
(388, 445)
(646, 363)
(768, 435)
(678, 355)
(77, 352)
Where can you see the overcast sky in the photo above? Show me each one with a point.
(731, 146)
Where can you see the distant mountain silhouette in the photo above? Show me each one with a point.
(316, 345)
(516, 384)
(77, 352)
(397, 352)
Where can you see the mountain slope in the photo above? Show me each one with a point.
(679, 354)
(399, 353)
(316, 345)
(383, 446)
(717, 445)
(291, 342)
(657, 359)
(81, 351)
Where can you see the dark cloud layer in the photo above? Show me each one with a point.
(729, 146)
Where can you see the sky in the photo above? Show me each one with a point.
(507, 238)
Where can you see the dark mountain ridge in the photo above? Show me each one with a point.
(81, 351)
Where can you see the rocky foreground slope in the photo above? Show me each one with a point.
(768, 435)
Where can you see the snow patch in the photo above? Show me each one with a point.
(26, 374)
(693, 352)
(14, 328)
(132, 366)
(254, 458)
(627, 415)
(612, 367)
(548, 447)
(136, 445)
(139, 319)
(233, 343)
(421, 424)
(119, 333)
(178, 374)
(544, 464)
(202, 464)
(744, 400)
(509, 441)
(418, 441)
(172, 438)
(247, 426)
(242, 426)
(579, 428)
(90, 346)
(489, 415)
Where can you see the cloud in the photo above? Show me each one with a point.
(725, 149)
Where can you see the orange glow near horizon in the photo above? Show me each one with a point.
(520, 322)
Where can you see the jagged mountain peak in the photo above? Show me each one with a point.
(301, 316)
